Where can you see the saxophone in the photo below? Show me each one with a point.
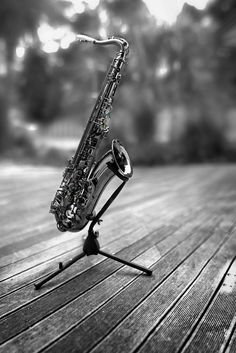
(84, 178)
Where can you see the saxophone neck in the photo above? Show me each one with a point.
(120, 42)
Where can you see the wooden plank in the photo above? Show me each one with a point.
(173, 331)
(128, 225)
(146, 191)
(26, 220)
(141, 321)
(159, 235)
(82, 280)
(97, 296)
(51, 327)
(38, 214)
(146, 223)
(231, 347)
(45, 229)
(217, 317)
(30, 274)
(27, 294)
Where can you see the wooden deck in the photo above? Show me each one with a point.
(178, 221)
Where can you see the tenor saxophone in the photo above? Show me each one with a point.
(85, 177)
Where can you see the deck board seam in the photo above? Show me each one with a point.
(191, 284)
(226, 344)
(146, 296)
(170, 233)
(89, 269)
(79, 248)
(204, 312)
(166, 277)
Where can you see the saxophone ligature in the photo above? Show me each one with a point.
(85, 178)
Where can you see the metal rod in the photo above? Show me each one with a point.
(138, 267)
(62, 267)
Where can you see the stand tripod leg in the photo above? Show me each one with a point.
(138, 267)
(62, 267)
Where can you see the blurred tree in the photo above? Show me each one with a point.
(224, 12)
(3, 122)
(40, 87)
(198, 86)
(224, 15)
(134, 20)
(18, 18)
(87, 22)
(83, 66)
(202, 141)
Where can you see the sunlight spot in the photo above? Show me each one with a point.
(124, 28)
(229, 284)
(103, 16)
(162, 70)
(50, 47)
(60, 32)
(3, 69)
(45, 32)
(168, 10)
(67, 40)
(93, 4)
(20, 52)
(69, 12)
(78, 6)
(32, 127)
(102, 32)
(207, 21)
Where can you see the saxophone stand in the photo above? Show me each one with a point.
(92, 247)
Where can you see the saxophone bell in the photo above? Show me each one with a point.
(123, 167)
(115, 162)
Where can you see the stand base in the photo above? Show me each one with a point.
(62, 267)
(92, 247)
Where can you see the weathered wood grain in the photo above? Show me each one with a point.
(218, 316)
(231, 347)
(130, 240)
(79, 307)
(172, 334)
(137, 325)
(166, 238)
(178, 220)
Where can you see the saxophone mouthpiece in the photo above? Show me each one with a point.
(84, 38)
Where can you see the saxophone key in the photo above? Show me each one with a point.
(82, 201)
(61, 227)
(91, 216)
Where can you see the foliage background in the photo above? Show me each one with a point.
(176, 101)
